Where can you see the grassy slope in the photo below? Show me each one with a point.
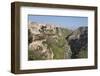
(58, 47)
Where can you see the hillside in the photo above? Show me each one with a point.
(47, 41)
(78, 41)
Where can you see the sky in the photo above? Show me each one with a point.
(71, 22)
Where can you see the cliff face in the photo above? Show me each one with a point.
(78, 42)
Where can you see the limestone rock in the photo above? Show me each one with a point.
(38, 35)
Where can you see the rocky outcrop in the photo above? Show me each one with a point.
(38, 35)
(78, 42)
